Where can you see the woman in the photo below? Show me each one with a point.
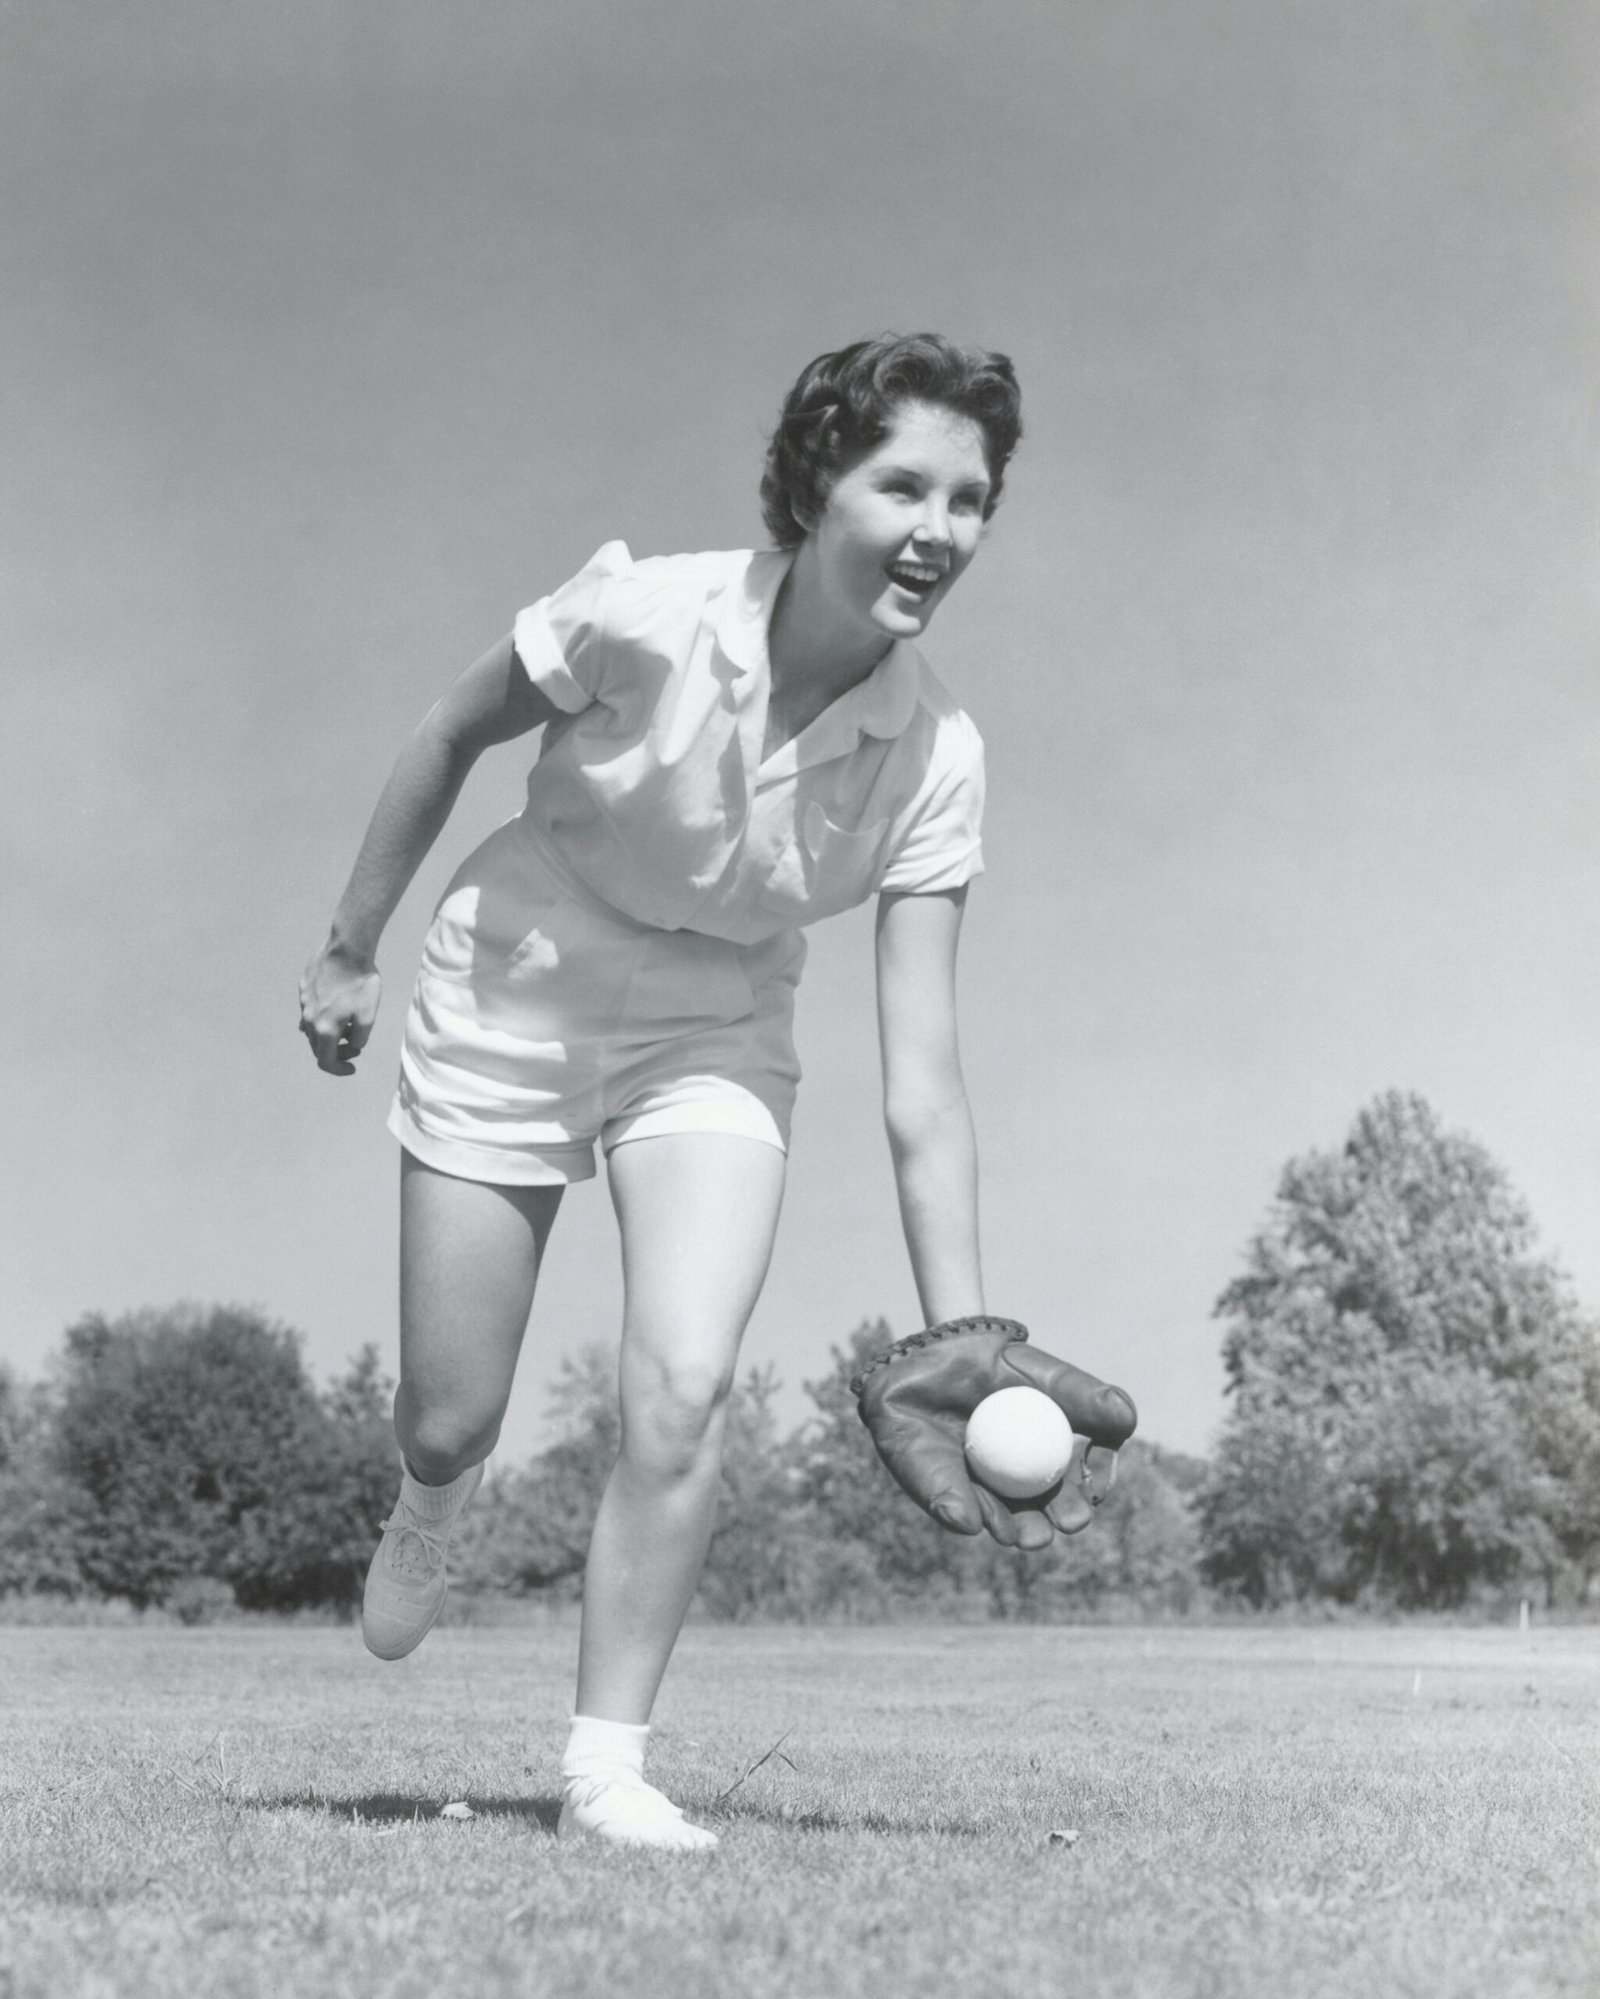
(735, 745)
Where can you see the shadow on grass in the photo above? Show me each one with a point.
(393, 1807)
(881, 1823)
(396, 1808)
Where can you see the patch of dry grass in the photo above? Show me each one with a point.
(1283, 1813)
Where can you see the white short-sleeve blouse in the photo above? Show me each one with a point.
(650, 786)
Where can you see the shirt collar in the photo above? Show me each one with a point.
(886, 700)
(747, 608)
(881, 705)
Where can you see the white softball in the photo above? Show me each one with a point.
(1018, 1442)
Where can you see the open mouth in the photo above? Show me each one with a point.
(917, 579)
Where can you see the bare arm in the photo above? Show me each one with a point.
(493, 702)
(925, 1100)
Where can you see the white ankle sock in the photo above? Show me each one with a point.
(596, 1747)
(436, 1502)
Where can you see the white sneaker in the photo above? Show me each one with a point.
(407, 1583)
(623, 1808)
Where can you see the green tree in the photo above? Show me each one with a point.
(1410, 1381)
(1148, 1530)
(11, 1415)
(757, 1565)
(43, 1516)
(311, 1539)
(199, 1448)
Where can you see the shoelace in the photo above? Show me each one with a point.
(411, 1537)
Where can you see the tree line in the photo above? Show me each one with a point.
(184, 1458)
(1413, 1421)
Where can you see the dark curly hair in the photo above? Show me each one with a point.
(845, 402)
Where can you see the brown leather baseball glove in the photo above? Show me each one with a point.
(915, 1398)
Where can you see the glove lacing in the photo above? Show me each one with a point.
(947, 1329)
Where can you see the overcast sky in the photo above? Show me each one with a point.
(333, 334)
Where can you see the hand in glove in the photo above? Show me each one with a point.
(916, 1396)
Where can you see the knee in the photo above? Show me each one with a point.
(672, 1419)
(441, 1440)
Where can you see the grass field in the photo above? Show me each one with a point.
(1260, 1811)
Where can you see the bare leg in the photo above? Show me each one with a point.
(469, 1260)
(698, 1213)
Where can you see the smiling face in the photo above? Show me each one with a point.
(899, 526)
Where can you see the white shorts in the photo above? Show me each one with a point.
(543, 1020)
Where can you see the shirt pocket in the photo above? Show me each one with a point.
(827, 867)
